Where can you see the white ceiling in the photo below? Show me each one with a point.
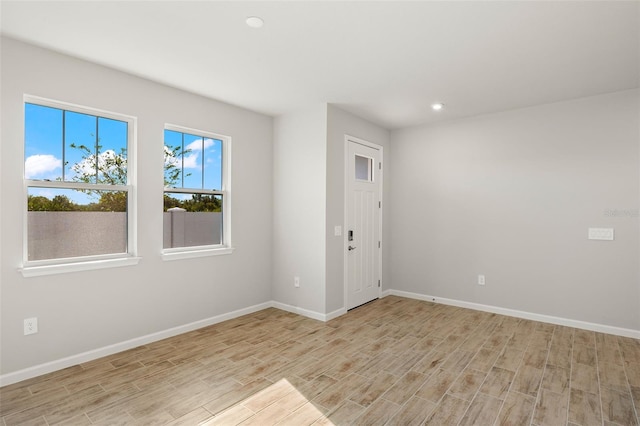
(384, 61)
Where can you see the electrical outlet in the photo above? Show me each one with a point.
(296, 281)
(480, 279)
(30, 326)
(601, 234)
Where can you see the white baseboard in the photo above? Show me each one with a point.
(59, 364)
(335, 314)
(48, 367)
(300, 311)
(601, 328)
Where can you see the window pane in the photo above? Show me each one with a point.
(363, 168)
(80, 134)
(43, 142)
(193, 147)
(192, 220)
(70, 223)
(64, 221)
(172, 159)
(112, 151)
(212, 164)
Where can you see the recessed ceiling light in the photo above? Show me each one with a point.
(437, 107)
(255, 22)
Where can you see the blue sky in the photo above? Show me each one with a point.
(48, 142)
(202, 160)
(50, 132)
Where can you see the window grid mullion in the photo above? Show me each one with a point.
(64, 143)
(193, 191)
(202, 140)
(97, 137)
(76, 185)
(182, 159)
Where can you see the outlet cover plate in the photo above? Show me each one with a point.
(30, 326)
(605, 234)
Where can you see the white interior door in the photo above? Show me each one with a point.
(363, 228)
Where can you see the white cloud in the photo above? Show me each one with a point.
(169, 158)
(197, 145)
(191, 161)
(40, 164)
(192, 153)
(87, 166)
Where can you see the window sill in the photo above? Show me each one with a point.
(62, 268)
(189, 254)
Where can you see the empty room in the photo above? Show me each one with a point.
(319, 212)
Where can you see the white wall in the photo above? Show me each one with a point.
(309, 203)
(511, 196)
(299, 196)
(341, 123)
(83, 311)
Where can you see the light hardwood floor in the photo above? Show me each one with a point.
(394, 361)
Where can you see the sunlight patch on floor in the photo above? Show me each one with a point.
(279, 403)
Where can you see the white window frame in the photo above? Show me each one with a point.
(177, 253)
(31, 268)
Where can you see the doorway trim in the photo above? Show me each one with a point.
(352, 139)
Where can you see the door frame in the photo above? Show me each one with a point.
(345, 232)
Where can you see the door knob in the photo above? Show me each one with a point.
(351, 248)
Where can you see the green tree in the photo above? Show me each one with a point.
(62, 203)
(59, 203)
(171, 165)
(170, 202)
(38, 203)
(110, 168)
(104, 167)
(197, 203)
(203, 203)
(112, 201)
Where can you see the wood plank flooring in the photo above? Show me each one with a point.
(394, 361)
